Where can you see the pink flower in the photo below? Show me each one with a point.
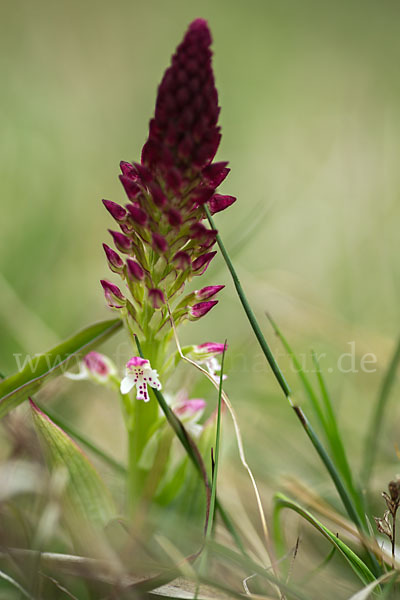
(95, 366)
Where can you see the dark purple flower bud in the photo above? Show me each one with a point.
(115, 262)
(201, 195)
(159, 243)
(128, 170)
(131, 188)
(200, 264)
(156, 298)
(137, 214)
(215, 173)
(122, 242)
(202, 308)
(143, 172)
(205, 236)
(219, 202)
(116, 211)
(173, 179)
(198, 231)
(134, 270)
(208, 292)
(181, 260)
(113, 294)
(157, 194)
(174, 217)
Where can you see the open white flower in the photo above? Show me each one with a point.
(139, 373)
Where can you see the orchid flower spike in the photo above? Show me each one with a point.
(95, 366)
(139, 372)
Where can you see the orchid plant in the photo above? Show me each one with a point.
(164, 238)
(162, 241)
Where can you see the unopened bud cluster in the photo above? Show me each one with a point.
(161, 240)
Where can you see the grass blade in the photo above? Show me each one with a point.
(86, 493)
(43, 367)
(358, 566)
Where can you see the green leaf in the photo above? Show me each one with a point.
(86, 493)
(40, 368)
(358, 566)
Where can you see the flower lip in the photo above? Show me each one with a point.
(140, 374)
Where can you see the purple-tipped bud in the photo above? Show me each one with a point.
(181, 260)
(122, 242)
(159, 198)
(202, 308)
(173, 179)
(116, 211)
(202, 195)
(137, 214)
(113, 294)
(208, 292)
(134, 270)
(128, 170)
(215, 173)
(156, 298)
(174, 217)
(210, 348)
(219, 202)
(159, 243)
(200, 264)
(131, 188)
(205, 236)
(99, 367)
(115, 262)
(143, 172)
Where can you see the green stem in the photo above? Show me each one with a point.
(335, 476)
(250, 315)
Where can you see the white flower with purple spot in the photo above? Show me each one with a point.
(95, 366)
(140, 374)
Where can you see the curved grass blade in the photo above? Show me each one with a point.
(86, 493)
(367, 590)
(40, 368)
(374, 431)
(355, 562)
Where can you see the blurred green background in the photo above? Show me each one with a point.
(310, 100)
